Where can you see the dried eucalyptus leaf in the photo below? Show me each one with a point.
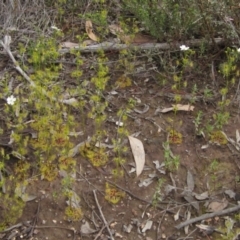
(230, 193)
(176, 216)
(146, 182)
(20, 192)
(237, 136)
(128, 228)
(160, 166)
(147, 226)
(138, 154)
(145, 109)
(86, 229)
(192, 201)
(188, 217)
(169, 188)
(201, 196)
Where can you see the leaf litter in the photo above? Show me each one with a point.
(138, 154)
(89, 31)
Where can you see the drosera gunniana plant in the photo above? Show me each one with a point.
(97, 155)
(122, 134)
(171, 161)
(44, 149)
(158, 194)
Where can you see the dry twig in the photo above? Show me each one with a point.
(146, 46)
(208, 215)
(102, 216)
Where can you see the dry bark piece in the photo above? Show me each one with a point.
(190, 181)
(69, 45)
(178, 107)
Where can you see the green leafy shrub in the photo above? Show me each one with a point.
(179, 20)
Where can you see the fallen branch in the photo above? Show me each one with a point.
(6, 46)
(102, 216)
(106, 46)
(208, 215)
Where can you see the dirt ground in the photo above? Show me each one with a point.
(44, 217)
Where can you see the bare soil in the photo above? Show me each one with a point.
(45, 217)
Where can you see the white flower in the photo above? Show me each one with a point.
(238, 50)
(184, 47)
(55, 28)
(120, 124)
(11, 100)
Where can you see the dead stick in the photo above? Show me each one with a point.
(101, 230)
(208, 215)
(145, 46)
(103, 218)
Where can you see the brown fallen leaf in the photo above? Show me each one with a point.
(89, 31)
(117, 30)
(178, 107)
(217, 206)
(138, 38)
(143, 38)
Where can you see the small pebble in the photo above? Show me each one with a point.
(54, 221)
(148, 238)
(163, 235)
